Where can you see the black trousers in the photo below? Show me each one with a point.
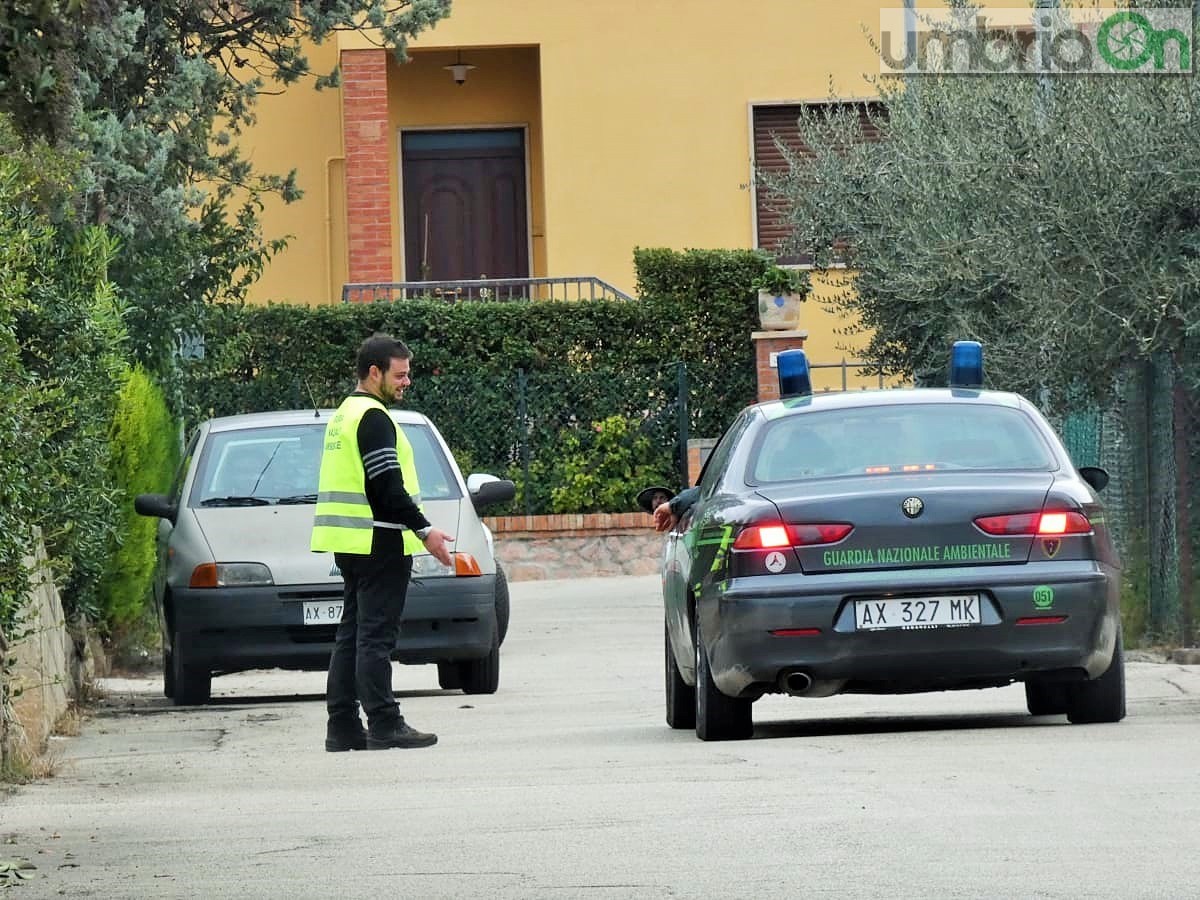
(360, 669)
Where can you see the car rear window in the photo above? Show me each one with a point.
(901, 438)
(283, 462)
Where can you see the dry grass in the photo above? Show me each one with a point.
(46, 764)
(22, 766)
(70, 723)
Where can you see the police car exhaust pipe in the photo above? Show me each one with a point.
(795, 682)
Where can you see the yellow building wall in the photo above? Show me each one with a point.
(639, 114)
(301, 129)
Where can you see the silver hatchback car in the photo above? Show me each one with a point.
(237, 587)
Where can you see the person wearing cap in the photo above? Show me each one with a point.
(368, 515)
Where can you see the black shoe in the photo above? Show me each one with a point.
(400, 735)
(339, 738)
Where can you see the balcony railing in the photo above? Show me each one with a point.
(574, 287)
(862, 370)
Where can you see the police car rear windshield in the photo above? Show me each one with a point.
(910, 438)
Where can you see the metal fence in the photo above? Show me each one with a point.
(571, 444)
(850, 374)
(576, 287)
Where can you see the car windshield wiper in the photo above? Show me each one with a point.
(235, 501)
(297, 499)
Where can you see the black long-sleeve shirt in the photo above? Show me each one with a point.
(389, 499)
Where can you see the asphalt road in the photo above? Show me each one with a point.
(567, 783)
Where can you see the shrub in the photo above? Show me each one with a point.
(778, 280)
(602, 470)
(145, 452)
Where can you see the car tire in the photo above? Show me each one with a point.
(718, 718)
(192, 684)
(1101, 699)
(449, 678)
(502, 604)
(482, 676)
(681, 696)
(1046, 698)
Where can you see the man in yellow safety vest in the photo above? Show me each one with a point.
(368, 515)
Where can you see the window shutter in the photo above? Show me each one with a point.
(780, 121)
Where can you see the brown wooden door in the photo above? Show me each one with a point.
(464, 205)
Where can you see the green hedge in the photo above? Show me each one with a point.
(145, 452)
(569, 366)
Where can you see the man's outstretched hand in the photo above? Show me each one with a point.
(436, 543)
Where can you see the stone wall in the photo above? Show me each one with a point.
(41, 680)
(532, 548)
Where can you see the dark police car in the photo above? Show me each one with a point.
(890, 542)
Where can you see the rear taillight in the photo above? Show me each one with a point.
(773, 536)
(1064, 523)
(1037, 524)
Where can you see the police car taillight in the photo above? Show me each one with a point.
(770, 537)
(1064, 523)
(1046, 522)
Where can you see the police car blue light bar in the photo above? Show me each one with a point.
(966, 365)
(794, 377)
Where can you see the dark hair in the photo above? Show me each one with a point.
(379, 350)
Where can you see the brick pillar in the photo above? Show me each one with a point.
(766, 345)
(698, 451)
(368, 187)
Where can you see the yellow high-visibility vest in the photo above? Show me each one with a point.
(343, 522)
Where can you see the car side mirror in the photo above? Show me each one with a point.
(1095, 476)
(155, 505)
(488, 490)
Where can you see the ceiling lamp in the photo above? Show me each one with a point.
(459, 70)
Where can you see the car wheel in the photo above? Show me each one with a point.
(681, 697)
(1045, 698)
(1101, 699)
(192, 684)
(481, 676)
(448, 676)
(718, 718)
(502, 604)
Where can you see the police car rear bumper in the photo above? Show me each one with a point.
(747, 659)
(235, 629)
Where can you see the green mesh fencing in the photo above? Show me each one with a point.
(585, 442)
(1148, 439)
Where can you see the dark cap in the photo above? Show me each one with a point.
(645, 497)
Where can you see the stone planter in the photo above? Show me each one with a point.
(779, 312)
